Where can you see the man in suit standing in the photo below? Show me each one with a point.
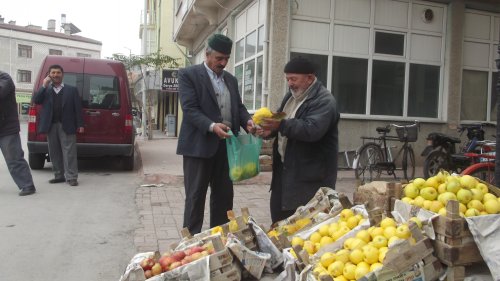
(212, 106)
(10, 141)
(61, 118)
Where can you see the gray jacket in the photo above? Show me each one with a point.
(9, 119)
(310, 160)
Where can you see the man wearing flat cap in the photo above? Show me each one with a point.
(306, 144)
(212, 106)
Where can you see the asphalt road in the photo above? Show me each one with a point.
(68, 233)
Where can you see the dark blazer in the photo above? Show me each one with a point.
(72, 117)
(9, 119)
(200, 109)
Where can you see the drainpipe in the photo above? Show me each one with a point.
(497, 158)
(145, 89)
(265, 70)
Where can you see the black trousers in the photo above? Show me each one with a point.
(277, 212)
(198, 174)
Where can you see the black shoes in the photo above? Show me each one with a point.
(57, 180)
(73, 182)
(27, 191)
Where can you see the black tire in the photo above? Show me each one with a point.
(127, 162)
(436, 161)
(367, 156)
(485, 173)
(408, 163)
(36, 160)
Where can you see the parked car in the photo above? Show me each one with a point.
(107, 112)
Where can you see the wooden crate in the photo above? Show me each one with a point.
(382, 198)
(230, 272)
(454, 244)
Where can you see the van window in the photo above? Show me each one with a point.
(75, 80)
(101, 92)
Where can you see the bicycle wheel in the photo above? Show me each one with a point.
(408, 164)
(434, 162)
(367, 157)
(482, 171)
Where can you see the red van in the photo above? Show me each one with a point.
(107, 111)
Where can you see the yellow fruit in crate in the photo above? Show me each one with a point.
(318, 270)
(325, 240)
(347, 243)
(468, 181)
(419, 201)
(292, 252)
(356, 256)
(349, 271)
(357, 244)
(336, 268)
(483, 213)
(327, 259)
(387, 222)
(376, 231)
(364, 235)
(352, 222)
(340, 278)
(218, 229)
(361, 271)
(453, 185)
(359, 216)
(389, 232)
(477, 194)
(272, 233)
(433, 182)
(296, 240)
(419, 183)
(492, 206)
(464, 195)
(261, 113)
(375, 266)
(393, 240)
(417, 221)
(342, 255)
(333, 228)
(442, 212)
(483, 187)
(381, 254)
(403, 231)
(462, 207)
(429, 193)
(441, 188)
(323, 230)
(488, 196)
(309, 247)
(324, 273)
(427, 204)
(379, 241)
(471, 212)
(411, 191)
(476, 204)
(289, 229)
(407, 200)
(315, 237)
(342, 223)
(233, 226)
(301, 223)
(341, 232)
(436, 206)
(447, 196)
(371, 254)
(345, 214)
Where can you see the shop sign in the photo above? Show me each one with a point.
(170, 83)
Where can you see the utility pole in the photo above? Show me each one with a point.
(497, 158)
(144, 53)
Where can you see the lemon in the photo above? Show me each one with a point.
(325, 240)
(336, 268)
(297, 241)
(356, 256)
(323, 230)
(387, 222)
(345, 214)
(315, 237)
(327, 259)
(364, 235)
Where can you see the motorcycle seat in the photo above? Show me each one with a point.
(383, 130)
(443, 137)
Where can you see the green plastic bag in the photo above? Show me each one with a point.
(243, 156)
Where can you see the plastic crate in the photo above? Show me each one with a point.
(407, 133)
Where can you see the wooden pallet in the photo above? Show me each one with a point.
(454, 244)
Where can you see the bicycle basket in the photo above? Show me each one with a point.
(407, 133)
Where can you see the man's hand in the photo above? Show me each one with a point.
(270, 124)
(46, 81)
(251, 128)
(80, 130)
(221, 130)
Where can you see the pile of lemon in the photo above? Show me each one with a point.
(434, 193)
(363, 253)
(290, 229)
(329, 233)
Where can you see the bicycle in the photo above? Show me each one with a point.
(374, 157)
(483, 166)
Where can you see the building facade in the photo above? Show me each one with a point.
(23, 48)
(385, 61)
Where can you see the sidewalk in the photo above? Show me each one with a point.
(161, 208)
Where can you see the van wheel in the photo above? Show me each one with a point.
(36, 160)
(127, 163)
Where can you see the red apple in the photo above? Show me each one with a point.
(196, 256)
(148, 274)
(178, 256)
(147, 263)
(165, 262)
(187, 252)
(197, 249)
(211, 251)
(156, 269)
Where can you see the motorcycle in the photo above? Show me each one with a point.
(441, 151)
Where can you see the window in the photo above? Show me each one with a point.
(24, 51)
(423, 96)
(387, 88)
(24, 76)
(82, 55)
(349, 84)
(249, 55)
(389, 43)
(474, 95)
(55, 52)
(101, 92)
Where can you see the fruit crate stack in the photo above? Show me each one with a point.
(378, 195)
